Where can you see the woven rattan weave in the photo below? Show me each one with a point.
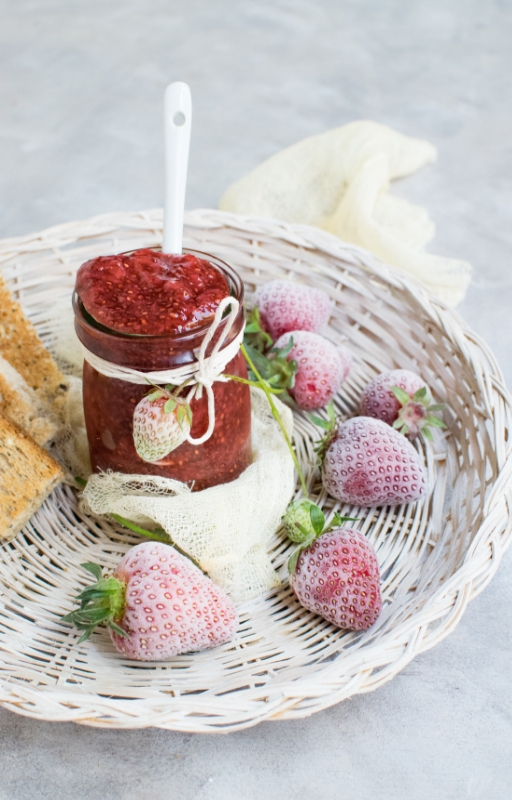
(284, 662)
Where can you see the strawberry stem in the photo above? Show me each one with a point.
(158, 535)
(277, 416)
(251, 383)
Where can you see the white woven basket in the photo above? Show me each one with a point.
(284, 662)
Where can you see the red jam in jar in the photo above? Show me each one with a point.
(150, 311)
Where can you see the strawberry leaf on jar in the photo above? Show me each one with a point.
(170, 405)
(180, 415)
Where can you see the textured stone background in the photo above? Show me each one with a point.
(81, 87)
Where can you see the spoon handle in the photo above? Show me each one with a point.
(177, 123)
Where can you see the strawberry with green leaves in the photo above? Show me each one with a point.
(161, 423)
(321, 367)
(156, 605)
(401, 398)
(334, 572)
(304, 522)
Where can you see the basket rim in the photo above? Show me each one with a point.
(290, 701)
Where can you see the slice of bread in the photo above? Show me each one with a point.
(22, 348)
(22, 405)
(27, 476)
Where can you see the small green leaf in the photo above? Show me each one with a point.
(170, 405)
(317, 519)
(435, 422)
(292, 561)
(113, 626)
(81, 481)
(94, 569)
(152, 396)
(421, 395)
(427, 434)
(401, 395)
(321, 423)
(339, 520)
(398, 423)
(437, 407)
(180, 415)
(283, 351)
(254, 335)
(188, 412)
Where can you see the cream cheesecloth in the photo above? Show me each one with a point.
(339, 181)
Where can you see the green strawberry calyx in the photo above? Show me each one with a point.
(304, 522)
(174, 403)
(102, 602)
(274, 366)
(329, 426)
(417, 413)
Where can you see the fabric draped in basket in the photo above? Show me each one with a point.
(225, 528)
(339, 181)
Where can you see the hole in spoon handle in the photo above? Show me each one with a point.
(177, 123)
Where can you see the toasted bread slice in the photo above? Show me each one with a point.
(22, 348)
(22, 405)
(27, 476)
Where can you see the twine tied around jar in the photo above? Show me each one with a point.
(199, 375)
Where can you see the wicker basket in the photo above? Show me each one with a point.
(284, 662)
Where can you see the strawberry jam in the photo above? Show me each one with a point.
(148, 292)
(150, 311)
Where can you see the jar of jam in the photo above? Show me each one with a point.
(150, 312)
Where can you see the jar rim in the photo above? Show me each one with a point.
(236, 290)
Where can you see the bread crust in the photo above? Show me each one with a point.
(28, 474)
(22, 348)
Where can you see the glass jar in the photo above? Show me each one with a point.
(109, 403)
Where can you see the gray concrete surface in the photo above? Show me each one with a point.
(81, 87)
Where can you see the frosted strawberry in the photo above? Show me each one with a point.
(161, 423)
(402, 399)
(321, 368)
(157, 604)
(337, 576)
(368, 463)
(285, 306)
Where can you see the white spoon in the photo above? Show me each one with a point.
(177, 122)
